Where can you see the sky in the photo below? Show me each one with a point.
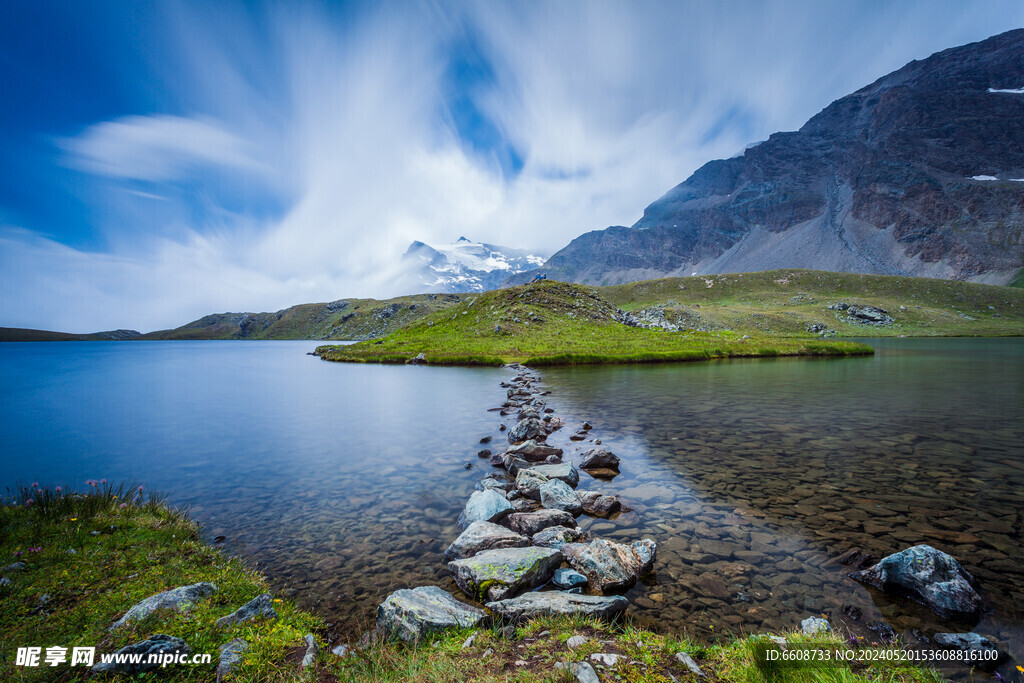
(160, 161)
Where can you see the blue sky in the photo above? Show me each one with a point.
(164, 160)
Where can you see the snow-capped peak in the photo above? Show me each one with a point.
(464, 265)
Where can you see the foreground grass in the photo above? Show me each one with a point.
(143, 547)
(551, 323)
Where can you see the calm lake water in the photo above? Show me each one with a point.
(344, 482)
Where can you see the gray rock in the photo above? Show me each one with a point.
(599, 505)
(468, 643)
(555, 494)
(814, 625)
(609, 565)
(410, 614)
(551, 603)
(484, 506)
(499, 574)
(568, 578)
(928, 576)
(159, 644)
(500, 485)
(575, 642)
(513, 463)
(524, 430)
(599, 457)
(528, 483)
(480, 536)
(312, 650)
(262, 606)
(565, 471)
(557, 536)
(687, 661)
(341, 650)
(4, 581)
(533, 451)
(231, 655)
(177, 599)
(529, 523)
(585, 673)
(985, 655)
(606, 659)
(16, 567)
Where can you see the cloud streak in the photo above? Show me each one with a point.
(302, 150)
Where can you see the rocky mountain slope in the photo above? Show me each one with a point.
(463, 266)
(920, 173)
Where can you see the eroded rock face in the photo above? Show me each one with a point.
(159, 644)
(177, 599)
(529, 523)
(599, 458)
(485, 506)
(547, 603)
(500, 574)
(480, 536)
(557, 536)
(555, 494)
(928, 576)
(410, 614)
(262, 606)
(611, 566)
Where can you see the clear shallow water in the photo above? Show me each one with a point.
(345, 481)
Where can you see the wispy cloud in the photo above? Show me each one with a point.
(302, 149)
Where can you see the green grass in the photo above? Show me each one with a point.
(143, 547)
(551, 323)
(1018, 279)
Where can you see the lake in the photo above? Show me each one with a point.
(344, 482)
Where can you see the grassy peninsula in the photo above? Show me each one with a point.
(88, 557)
(549, 323)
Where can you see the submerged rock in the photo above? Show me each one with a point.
(231, 655)
(260, 606)
(499, 574)
(984, 654)
(410, 614)
(928, 576)
(599, 458)
(159, 644)
(598, 504)
(529, 523)
(557, 536)
(551, 603)
(178, 599)
(496, 483)
(555, 494)
(484, 506)
(609, 565)
(480, 536)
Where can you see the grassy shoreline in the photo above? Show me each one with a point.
(129, 545)
(556, 323)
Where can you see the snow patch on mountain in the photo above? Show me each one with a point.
(463, 266)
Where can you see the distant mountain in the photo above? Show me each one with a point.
(464, 266)
(920, 173)
(20, 334)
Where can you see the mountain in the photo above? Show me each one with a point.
(19, 334)
(920, 173)
(464, 266)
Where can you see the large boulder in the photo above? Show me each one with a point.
(530, 428)
(260, 607)
(557, 536)
(598, 504)
(533, 451)
(555, 494)
(928, 576)
(611, 566)
(529, 481)
(599, 458)
(485, 506)
(410, 614)
(552, 603)
(500, 574)
(529, 523)
(178, 599)
(155, 646)
(565, 471)
(480, 536)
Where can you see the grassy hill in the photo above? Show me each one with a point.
(559, 323)
(786, 302)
